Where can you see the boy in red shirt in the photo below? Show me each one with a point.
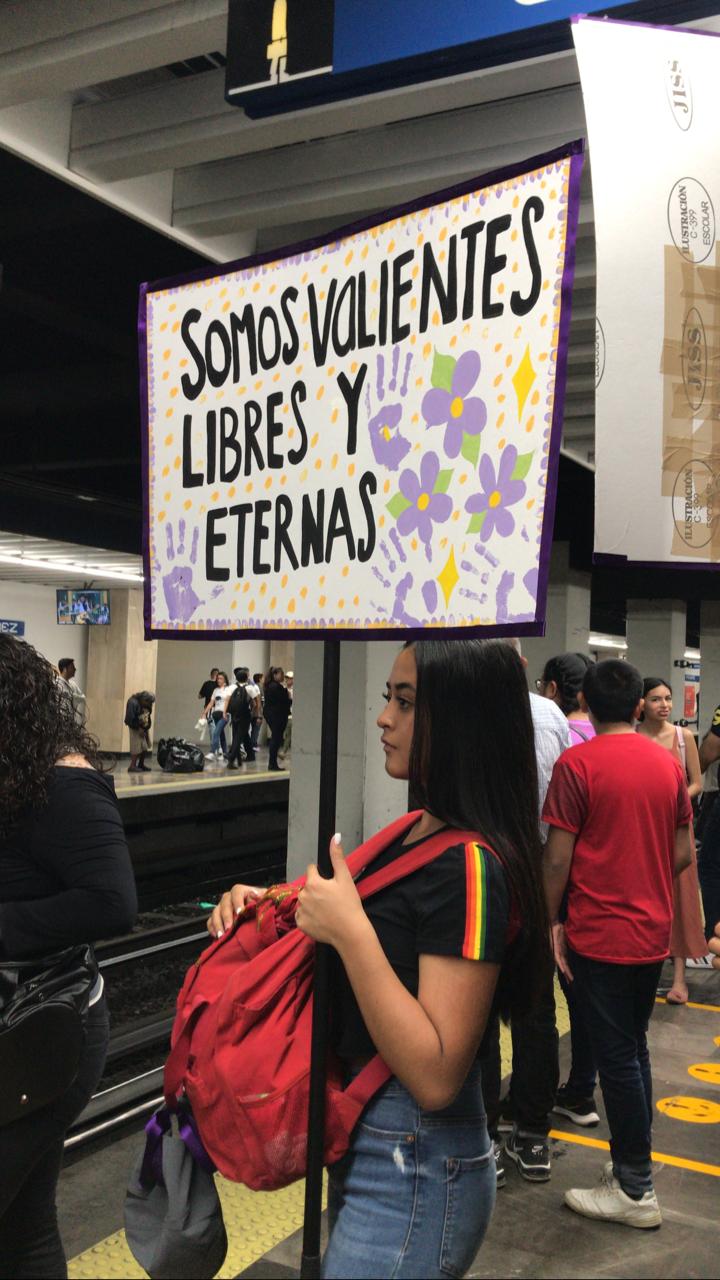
(619, 814)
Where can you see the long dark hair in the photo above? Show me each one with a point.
(271, 676)
(472, 764)
(568, 672)
(38, 727)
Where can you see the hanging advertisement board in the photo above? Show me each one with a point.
(656, 200)
(360, 434)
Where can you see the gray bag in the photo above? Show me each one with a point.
(173, 1217)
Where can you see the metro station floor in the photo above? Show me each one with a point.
(215, 774)
(532, 1234)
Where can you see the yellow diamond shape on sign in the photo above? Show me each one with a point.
(522, 380)
(449, 577)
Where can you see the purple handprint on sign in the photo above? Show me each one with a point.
(388, 444)
(180, 597)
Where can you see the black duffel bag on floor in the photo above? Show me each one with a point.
(177, 755)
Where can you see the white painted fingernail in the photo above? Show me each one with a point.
(337, 838)
(238, 910)
(219, 933)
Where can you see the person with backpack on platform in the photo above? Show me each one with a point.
(423, 962)
(241, 709)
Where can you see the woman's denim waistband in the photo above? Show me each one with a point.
(467, 1105)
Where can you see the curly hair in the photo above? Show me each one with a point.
(38, 727)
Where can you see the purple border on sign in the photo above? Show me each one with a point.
(573, 151)
(145, 449)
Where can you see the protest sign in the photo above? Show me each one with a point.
(360, 434)
(657, 484)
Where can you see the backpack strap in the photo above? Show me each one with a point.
(369, 849)
(414, 859)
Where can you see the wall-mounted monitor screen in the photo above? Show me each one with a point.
(83, 607)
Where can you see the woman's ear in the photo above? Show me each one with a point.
(551, 689)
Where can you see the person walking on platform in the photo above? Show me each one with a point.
(65, 881)
(562, 682)
(277, 711)
(70, 687)
(619, 816)
(687, 939)
(525, 1112)
(709, 857)
(207, 687)
(241, 707)
(138, 718)
(216, 710)
(257, 684)
(421, 964)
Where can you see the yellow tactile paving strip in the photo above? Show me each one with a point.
(255, 1221)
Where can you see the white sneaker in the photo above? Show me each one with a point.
(608, 1203)
(704, 962)
(211, 755)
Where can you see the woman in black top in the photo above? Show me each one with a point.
(277, 711)
(423, 962)
(65, 879)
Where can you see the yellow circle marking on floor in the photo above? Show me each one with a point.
(693, 1110)
(717, 1040)
(708, 1072)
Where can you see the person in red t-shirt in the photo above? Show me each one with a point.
(619, 816)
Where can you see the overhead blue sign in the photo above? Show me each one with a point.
(285, 54)
(11, 627)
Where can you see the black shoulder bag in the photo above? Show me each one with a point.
(43, 1010)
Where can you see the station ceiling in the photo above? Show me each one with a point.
(121, 162)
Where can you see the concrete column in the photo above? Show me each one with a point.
(568, 614)
(120, 662)
(656, 639)
(366, 798)
(282, 654)
(709, 662)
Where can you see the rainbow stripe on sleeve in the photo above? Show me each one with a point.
(476, 903)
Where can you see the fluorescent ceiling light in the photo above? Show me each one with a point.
(606, 642)
(692, 655)
(70, 566)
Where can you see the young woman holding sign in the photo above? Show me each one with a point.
(423, 962)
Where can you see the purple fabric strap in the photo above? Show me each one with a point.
(157, 1127)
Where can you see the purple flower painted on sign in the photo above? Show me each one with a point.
(425, 507)
(500, 491)
(462, 413)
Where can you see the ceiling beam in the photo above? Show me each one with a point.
(188, 122)
(48, 47)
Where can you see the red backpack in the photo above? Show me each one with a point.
(241, 1040)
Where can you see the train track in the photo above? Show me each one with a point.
(132, 1081)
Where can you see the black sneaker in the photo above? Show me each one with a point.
(531, 1154)
(499, 1164)
(579, 1110)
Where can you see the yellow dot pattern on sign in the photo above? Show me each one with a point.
(256, 1221)
(692, 1110)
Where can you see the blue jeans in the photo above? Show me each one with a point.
(217, 733)
(709, 870)
(582, 1079)
(616, 1001)
(414, 1195)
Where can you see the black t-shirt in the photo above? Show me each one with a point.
(457, 905)
(206, 691)
(65, 871)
